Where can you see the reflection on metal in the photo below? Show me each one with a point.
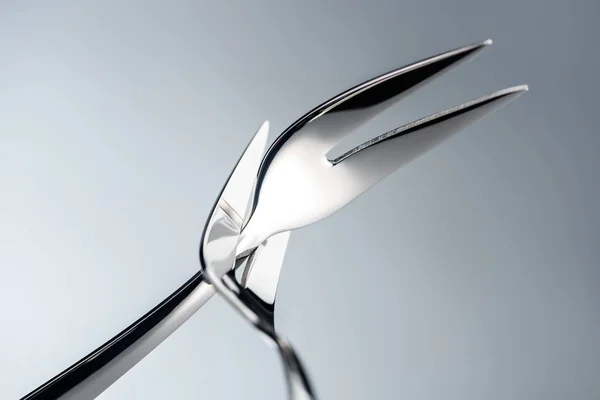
(296, 185)
(269, 194)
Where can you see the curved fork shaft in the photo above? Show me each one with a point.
(218, 259)
(93, 374)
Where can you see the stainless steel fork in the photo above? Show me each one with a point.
(298, 185)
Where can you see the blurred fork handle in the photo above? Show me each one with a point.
(93, 374)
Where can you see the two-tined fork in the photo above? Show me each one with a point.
(297, 185)
(294, 186)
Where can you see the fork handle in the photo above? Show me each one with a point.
(94, 373)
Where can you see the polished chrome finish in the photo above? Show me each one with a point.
(93, 374)
(253, 294)
(267, 195)
(262, 269)
(298, 185)
(97, 371)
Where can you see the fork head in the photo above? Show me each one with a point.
(298, 185)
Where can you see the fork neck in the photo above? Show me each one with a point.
(249, 240)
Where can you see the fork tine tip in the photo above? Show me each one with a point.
(516, 89)
(478, 45)
(471, 49)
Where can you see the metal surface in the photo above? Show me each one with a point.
(93, 374)
(292, 186)
(297, 185)
(253, 294)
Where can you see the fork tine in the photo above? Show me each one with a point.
(374, 160)
(330, 122)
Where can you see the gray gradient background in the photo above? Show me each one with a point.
(472, 273)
